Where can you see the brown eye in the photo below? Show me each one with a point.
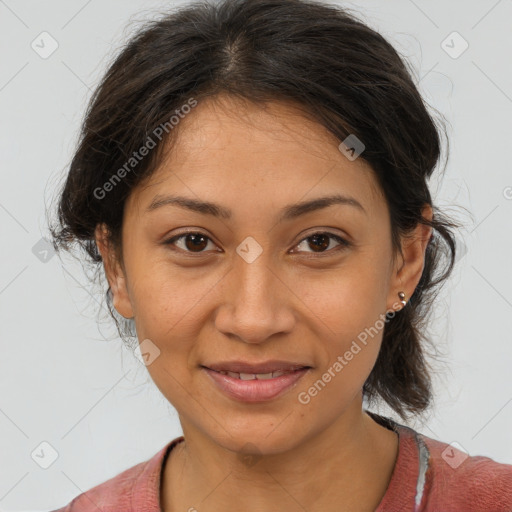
(192, 242)
(320, 242)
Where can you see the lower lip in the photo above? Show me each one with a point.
(255, 390)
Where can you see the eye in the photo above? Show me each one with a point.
(196, 242)
(321, 242)
(193, 241)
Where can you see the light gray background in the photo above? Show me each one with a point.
(91, 399)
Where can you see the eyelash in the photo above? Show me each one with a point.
(343, 243)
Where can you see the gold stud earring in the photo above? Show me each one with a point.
(401, 295)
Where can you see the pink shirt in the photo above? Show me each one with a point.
(429, 476)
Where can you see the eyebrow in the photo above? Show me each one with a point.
(289, 212)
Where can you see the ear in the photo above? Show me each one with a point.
(409, 268)
(114, 272)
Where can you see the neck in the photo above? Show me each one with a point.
(346, 466)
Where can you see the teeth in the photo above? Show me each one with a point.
(253, 376)
(263, 376)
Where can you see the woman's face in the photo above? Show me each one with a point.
(253, 284)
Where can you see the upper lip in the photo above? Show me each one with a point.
(261, 367)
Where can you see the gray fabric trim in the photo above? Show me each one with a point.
(424, 456)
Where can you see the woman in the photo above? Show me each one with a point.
(252, 177)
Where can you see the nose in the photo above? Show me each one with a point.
(256, 302)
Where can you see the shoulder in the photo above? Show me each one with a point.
(442, 477)
(469, 482)
(139, 483)
(109, 495)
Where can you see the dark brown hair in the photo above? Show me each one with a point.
(336, 69)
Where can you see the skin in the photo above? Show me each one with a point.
(297, 301)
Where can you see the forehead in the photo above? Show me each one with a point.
(232, 147)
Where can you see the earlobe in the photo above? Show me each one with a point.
(114, 273)
(120, 298)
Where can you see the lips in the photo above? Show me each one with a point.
(254, 388)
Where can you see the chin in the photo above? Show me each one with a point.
(258, 436)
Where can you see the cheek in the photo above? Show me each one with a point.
(170, 310)
(344, 302)
(167, 299)
(346, 310)
(347, 351)
(166, 313)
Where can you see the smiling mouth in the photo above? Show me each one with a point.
(256, 387)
